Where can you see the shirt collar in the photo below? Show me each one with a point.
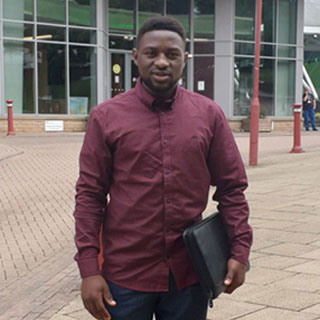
(151, 102)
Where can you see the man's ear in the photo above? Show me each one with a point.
(134, 53)
(186, 57)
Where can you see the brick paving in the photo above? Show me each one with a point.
(39, 279)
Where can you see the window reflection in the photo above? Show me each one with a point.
(82, 12)
(18, 9)
(121, 16)
(243, 83)
(82, 35)
(19, 75)
(51, 11)
(204, 19)
(180, 10)
(149, 9)
(51, 33)
(51, 78)
(82, 79)
(245, 20)
(18, 30)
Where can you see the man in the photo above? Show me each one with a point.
(155, 150)
(309, 105)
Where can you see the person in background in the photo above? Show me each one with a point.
(155, 150)
(309, 105)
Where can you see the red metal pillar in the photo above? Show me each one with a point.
(297, 129)
(10, 119)
(255, 104)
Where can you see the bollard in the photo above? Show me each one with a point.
(296, 129)
(10, 119)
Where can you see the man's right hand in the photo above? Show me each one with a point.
(92, 290)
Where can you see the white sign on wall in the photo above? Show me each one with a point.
(201, 86)
(53, 125)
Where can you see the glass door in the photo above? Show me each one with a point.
(124, 73)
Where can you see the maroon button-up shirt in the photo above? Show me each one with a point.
(156, 167)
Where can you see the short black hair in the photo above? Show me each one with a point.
(161, 23)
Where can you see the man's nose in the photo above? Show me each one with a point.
(161, 61)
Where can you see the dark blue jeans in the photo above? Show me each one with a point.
(188, 304)
(306, 115)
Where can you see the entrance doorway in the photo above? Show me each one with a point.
(124, 73)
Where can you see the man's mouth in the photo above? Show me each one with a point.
(160, 76)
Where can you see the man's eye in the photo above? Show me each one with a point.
(173, 55)
(150, 54)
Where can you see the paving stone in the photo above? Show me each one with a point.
(277, 314)
(277, 262)
(305, 282)
(294, 300)
(313, 310)
(227, 309)
(263, 276)
(311, 267)
(287, 249)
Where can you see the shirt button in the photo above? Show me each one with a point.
(162, 113)
(168, 201)
(167, 171)
(165, 141)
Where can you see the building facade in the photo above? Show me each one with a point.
(59, 58)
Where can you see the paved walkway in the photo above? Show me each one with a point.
(39, 279)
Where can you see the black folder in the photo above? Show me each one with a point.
(208, 247)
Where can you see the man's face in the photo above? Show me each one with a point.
(160, 58)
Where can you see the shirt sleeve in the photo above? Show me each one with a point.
(228, 175)
(91, 191)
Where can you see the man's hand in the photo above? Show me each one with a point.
(235, 275)
(92, 290)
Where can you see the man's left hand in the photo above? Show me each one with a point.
(235, 275)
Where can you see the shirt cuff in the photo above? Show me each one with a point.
(240, 253)
(88, 267)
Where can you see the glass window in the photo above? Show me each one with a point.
(19, 75)
(18, 9)
(312, 58)
(52, 78)
(83, 65)
(266, 86)
(204, 19)
(286, 51)
(245, 48)
(287, 21)
(245, 20)
(203, 75)
(121, 16)
(204, 47)
(267, 50)
(82, 36)
(51, 11)
(268, 23)
(121, 42)
(181, 12)
(149, 9)
(285, 90)
(18, 30)
(82, 12)
(51, 33)
(243, 84)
